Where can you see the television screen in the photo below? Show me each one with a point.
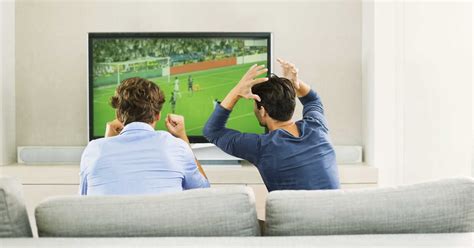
(195, 71)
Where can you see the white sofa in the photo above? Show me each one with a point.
(444, 206)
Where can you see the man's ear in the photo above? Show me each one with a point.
(262, 111)
(158, 117)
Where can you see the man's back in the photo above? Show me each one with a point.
(304, 162)
(138, 161)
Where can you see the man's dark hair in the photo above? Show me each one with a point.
(137, 99)
(277, 97)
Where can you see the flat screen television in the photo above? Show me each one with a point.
(195, 71)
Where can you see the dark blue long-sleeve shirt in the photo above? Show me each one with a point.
(283, 160)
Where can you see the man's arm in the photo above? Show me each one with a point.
(194, 176)
(83, 184)
(88, 159)
(312, 105)
(175, 125)
(198, 164)
(233, 142)
(243, 145)
(82, 174)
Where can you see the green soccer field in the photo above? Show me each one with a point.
(196, 107)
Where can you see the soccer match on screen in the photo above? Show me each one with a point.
(194, 73)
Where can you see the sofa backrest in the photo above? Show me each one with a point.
(13, 215)
(433, 207)
(228, 211)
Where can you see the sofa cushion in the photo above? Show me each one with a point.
(433, 207)
(200, 212)
(13, 215)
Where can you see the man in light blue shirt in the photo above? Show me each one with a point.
(133, 158)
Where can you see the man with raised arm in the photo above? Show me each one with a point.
(292, 155)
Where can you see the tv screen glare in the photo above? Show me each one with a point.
(195, 71)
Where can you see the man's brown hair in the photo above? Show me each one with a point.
(137, 99)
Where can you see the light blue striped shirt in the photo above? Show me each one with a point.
(138, 161)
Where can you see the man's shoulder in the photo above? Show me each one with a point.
(97, 146)
(282, 138)
(165, 135)
(161, 135)
(312, 122)
(101, 142)
(173, 146)
(170, 139)
(267, 138)
(96, 143)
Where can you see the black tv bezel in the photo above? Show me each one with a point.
(144, 35)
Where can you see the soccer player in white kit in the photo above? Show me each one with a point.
(176, 87)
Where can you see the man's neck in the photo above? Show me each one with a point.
(289, 126)
(153, 124)
(274, 125)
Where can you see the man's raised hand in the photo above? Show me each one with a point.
(175, 125)
(290, 72)
(113, 128)
(244, 87)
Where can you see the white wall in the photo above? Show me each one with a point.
(322, 37)
(472, 72)
(7, 82)
(367, 67)
(419, 89)
(379, 88)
